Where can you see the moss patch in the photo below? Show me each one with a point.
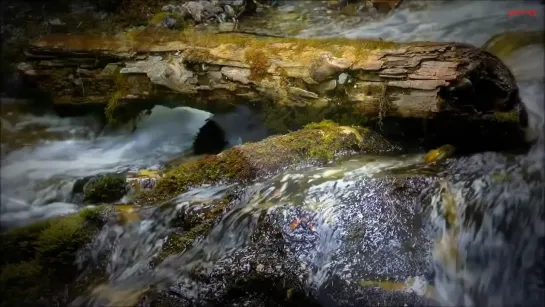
(177, 243)
(37, 261)
(315, 143)
(506, 117)
(301, 50)
(196, 227)
(229, 166)
(107, 188)
(259, 63)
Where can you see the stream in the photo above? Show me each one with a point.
(317, 213)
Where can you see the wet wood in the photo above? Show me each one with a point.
(208, 71)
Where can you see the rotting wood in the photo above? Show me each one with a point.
(208, 71)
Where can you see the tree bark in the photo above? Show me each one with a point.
(362, 78)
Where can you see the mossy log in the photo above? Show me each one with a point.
(356, 78)
(316, 143)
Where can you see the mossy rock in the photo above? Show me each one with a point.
(194, 221)
(441, 153)
(316, 143)
(38, 261)
(108, 188)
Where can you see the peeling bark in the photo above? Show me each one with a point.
(211, 71)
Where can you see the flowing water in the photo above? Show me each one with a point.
(37, 181)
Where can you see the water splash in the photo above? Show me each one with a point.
(44, 173)
(317, 191)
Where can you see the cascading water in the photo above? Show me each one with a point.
(486, 207)
(37, 180)
(479, 277)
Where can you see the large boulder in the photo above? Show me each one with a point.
(329, 237)
(365, 245)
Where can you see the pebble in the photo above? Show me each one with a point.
(343, 78)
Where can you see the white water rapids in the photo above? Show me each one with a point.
(36, 181)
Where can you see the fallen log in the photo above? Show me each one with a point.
(349, 81)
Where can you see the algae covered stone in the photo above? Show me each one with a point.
(316, 143)
(37, 264)
(107, 188)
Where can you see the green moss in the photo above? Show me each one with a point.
(38, 260)
(350, 9)
(315, 143)
(121, 86)
(506, 117)
(21, 284)
(107, 188)
(259, 63)
(302, 50)
(230, 165)
(177, 243)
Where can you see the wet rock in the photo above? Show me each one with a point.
(195, 9)
(368, 247)
(440, 153)
(106, 188)
(143, 180)
(37, 265)
(488, 214)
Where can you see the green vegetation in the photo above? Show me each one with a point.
(315, 143)
(108, 188)
(37, 261)
(506, 116)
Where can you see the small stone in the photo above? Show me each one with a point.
(56, 22)
(195, 10)
(260, 268)
(343, 78)
(169, 23)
